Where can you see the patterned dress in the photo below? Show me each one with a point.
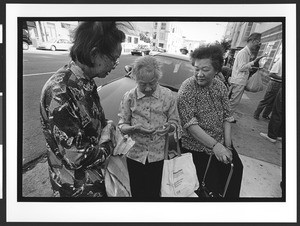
(78, 137)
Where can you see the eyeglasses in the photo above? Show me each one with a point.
(114, 60)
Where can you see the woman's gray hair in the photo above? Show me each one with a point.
(146, 66)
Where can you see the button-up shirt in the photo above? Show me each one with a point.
(204, 106)
(241, 67)
(152, 112)
(74, 125)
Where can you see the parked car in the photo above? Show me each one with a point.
(141, 50)
(175, 68)
(26, 40)
(56, 44)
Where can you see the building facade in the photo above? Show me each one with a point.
(42, 31)
(167, 35)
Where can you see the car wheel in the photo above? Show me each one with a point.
(132, 54)
(53, 48)
(25, 46)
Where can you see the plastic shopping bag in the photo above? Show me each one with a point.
(179, 178)
(254, 83)
(116, 177)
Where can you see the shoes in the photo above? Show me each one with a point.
(279, 138)
(266, 117)
(264, 135)
(256, 117)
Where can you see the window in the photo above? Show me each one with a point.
(154, 35)
(129, 39)
(162, 36)
(161, 45)
(248, 29)
(173, 30)
(136, 41)
(155, 25)
(163, 26)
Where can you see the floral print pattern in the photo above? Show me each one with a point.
(152, 112)
(74, 125)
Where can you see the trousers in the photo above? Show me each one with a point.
(145, 179)
(275, 127)
(266, 104)
(235, 94)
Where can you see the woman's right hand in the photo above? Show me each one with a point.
(222, 154)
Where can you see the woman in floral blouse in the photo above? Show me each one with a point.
(204, 114)
(78, 136)
(147, 113)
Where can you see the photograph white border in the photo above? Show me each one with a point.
(149, 212)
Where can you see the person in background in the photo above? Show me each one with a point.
(184, 51)
(240, 71)
(266, 104)
(205, 118)
(275, 126)
(79, 138)
(147, 113)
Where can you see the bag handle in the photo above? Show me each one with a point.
(228, 178)
(167, 139)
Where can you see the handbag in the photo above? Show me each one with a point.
(254, 83)
(179, 177)
(204, 191)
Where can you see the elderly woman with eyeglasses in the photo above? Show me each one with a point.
(204, 113)
(147, 113)
(79, 138)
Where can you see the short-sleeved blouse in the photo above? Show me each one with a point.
(204, 106)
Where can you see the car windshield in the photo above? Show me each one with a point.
(175, 71)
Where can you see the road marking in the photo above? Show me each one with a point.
(45, 73)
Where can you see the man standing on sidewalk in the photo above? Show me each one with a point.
(275, 125)
(240, 70)
(273, 87)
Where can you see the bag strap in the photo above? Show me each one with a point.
(167, 139)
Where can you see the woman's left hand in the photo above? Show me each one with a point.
(222, 154)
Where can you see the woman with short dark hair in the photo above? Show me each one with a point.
(79, 138)
(204, 113)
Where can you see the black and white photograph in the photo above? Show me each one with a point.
(150, 110)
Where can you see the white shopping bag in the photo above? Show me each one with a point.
(179, 177)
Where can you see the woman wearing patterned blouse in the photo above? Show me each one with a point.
(204, 114)
(147, 113)
(78, 136)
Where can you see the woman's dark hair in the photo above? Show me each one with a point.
(104, 35)
(214, 52)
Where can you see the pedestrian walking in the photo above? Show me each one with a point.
(266, 104)
(240, 70)
(147, 113)
(275, 126)
(79, 138)
(205, 118)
